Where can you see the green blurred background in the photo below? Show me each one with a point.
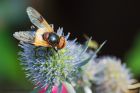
(117, 21)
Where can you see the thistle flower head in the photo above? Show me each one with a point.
(44, 66)
(109, 75)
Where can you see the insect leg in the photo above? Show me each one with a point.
(56, 50)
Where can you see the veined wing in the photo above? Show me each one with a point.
(38, 20)
(25, 36)
(31, 37)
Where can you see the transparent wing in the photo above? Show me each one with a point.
(25, 36)
(38, 20)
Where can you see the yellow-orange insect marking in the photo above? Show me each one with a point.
(62, 43)
(39, 39)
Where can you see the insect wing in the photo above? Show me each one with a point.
(38, 20)
(25, 36)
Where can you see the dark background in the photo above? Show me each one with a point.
(117, 21)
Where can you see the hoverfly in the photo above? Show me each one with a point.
(44, 35)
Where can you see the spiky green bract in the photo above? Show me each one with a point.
(44, 66)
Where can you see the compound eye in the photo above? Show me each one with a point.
(53, 39)
(45, 36)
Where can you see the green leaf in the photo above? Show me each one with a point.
(133, 57)
(10, 68)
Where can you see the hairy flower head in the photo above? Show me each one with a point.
(44, 66)
(109, 76)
